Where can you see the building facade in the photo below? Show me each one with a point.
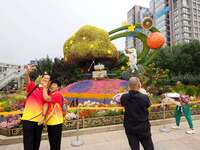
(136, 15)
(177, 20)
(186, 20)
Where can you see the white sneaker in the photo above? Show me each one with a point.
(192, 131)
(175, 127)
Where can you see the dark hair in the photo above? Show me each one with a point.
(56, 81)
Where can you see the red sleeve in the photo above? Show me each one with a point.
(56, 98)
(30, 86)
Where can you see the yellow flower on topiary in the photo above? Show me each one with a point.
(109, 52)
(91, 46)
(84, 38)
(71, 42)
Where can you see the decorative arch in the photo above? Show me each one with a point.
(135, 30)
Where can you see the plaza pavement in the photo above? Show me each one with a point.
(116, 140)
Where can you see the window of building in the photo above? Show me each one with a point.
(177, 36)
(176, 24)
(196, 29)
(176, 19)
(186, 29)
(185, 10)
(185, 2)
(186, 40)
(195, 22)
(195, 10)
(185, 22)
(185, 16)
(186, 35)
(176, 30)
(176, 12)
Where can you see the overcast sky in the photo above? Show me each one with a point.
(32, 29)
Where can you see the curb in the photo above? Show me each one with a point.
(4, 140)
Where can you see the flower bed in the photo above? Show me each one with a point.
(95, 121)
(10, 121)
(10, 124)
(94, 90)
(12, 102)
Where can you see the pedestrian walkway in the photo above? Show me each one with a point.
(116, 140)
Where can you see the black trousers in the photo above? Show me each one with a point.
(54, 134)
(141, 135)
(31, 135)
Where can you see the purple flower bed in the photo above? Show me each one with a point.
(10, 121)
(124, 84)
(82, 86)
(82, 100)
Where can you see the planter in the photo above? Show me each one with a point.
(94, 122)
(10, 132)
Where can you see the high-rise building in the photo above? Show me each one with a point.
(185, 20)
(136, 15)
(177, 20)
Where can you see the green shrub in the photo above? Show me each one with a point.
(187, 89)
(186, 79)
(19, 97)
(7, 109)
(191, 90)
(178, 88)
(198, 91)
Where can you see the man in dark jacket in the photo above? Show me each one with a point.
(136, 121)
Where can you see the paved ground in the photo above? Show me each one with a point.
(116, 140)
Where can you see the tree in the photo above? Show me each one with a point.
(43, 65)
(58, 69)
(66, 73)
(181, 58)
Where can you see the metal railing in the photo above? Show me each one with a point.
(11, 73)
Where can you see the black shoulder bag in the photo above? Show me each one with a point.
(29, 94)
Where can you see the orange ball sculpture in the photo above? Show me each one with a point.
(155, 40)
